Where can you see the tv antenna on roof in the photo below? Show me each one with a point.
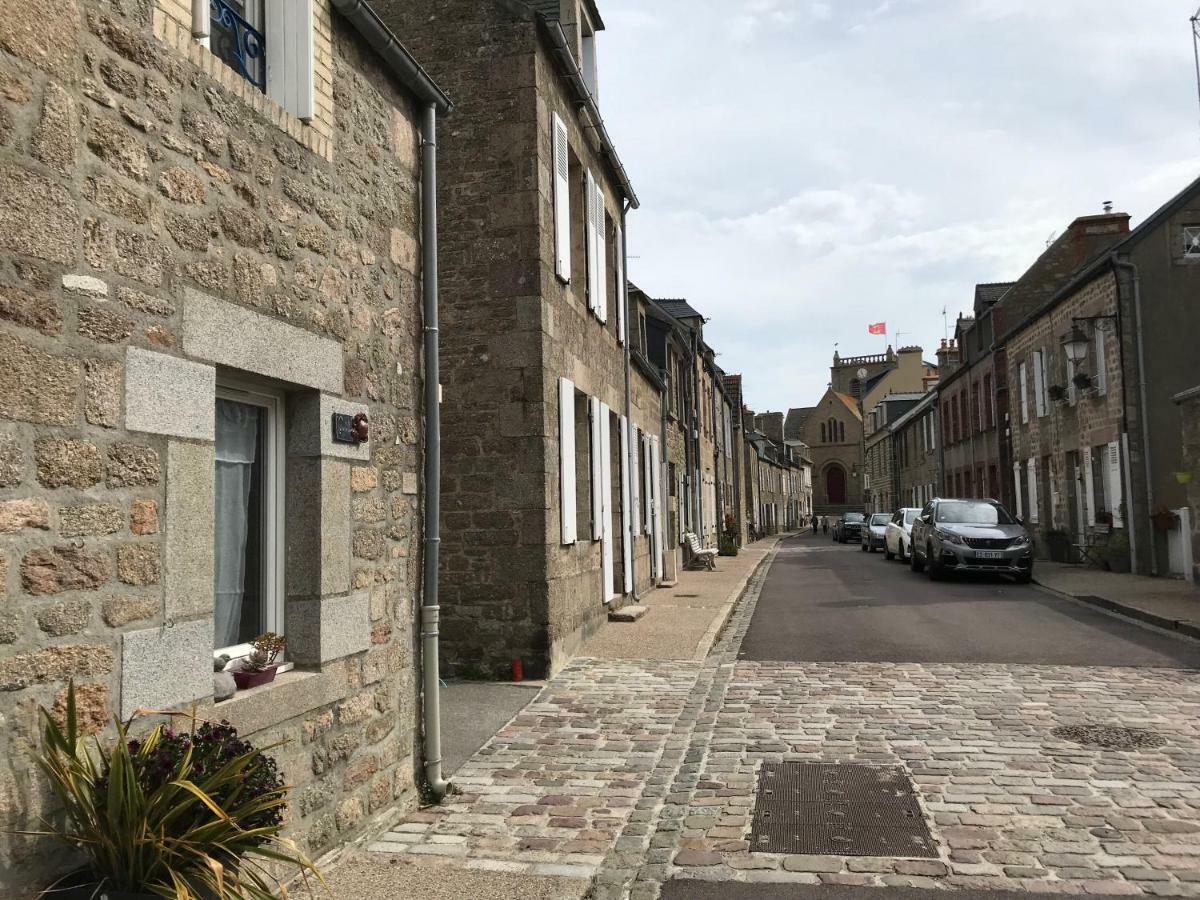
(1196, 47)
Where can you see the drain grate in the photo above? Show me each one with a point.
(685, 595)
(844, 809)
(1109, 737)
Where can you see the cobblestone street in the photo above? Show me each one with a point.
(639, 773)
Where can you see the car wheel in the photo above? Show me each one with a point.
(914, 563)
(887, 551)
(932, 567)
(902, 553)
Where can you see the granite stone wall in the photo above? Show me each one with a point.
(157, 233)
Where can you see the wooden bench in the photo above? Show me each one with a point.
(701, 556)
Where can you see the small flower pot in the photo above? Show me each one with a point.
(247, 678)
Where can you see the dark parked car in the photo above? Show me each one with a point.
(848, 527)
(970, 536)
(873, 532)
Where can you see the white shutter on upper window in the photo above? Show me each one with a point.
(601, 256)
(648, 492)
(626, 490)
(597, 454)
(622, 289)
(589, 233)
(289, 39)
(1115, 490)
(566, 459)
(658, 507)
(562, 199)
(1017, 490)
(1031, 471)
(1101, 364)
(1089, 499)
(1039, 383)
(1024, 393)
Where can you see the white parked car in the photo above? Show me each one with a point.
(897, 539)
(872, 533)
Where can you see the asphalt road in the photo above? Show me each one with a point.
(709, 890)
(827, 602)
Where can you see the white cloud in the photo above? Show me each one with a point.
(799, 182)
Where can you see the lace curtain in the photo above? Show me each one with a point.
(237, 440)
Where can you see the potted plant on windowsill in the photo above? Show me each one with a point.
(194, 813)
(259, 667)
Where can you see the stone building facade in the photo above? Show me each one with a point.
(1129, 306)
(1189, 416)
(542, 451)
(881, 489)
(195, 276)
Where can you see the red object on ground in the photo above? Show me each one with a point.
(518, 670)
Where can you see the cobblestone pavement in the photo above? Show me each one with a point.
(641, 772)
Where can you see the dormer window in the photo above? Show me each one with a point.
(1191, 241)
(587, 62)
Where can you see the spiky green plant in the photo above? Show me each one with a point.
(161, 817)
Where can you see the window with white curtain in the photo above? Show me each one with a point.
(248, 517)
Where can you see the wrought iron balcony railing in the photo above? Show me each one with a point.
(240, 44)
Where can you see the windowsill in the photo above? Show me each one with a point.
(290, 695)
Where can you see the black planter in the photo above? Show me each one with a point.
(1059, 547)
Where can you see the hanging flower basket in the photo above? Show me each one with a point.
(1183, 477)
(1057, 392)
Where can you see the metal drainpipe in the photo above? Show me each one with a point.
(623, 298)
(674, 545)
(1132, 269)
(430, 611)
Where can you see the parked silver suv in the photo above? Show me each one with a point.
(970, 536)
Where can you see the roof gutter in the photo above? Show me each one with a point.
(401, 62)
(583, 97)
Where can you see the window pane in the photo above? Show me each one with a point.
(240, 522)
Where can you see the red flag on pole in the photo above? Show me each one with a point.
(877, 328)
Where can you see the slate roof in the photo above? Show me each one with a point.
(849, 401)
(793, 424)
(989, 293)
(679, 308)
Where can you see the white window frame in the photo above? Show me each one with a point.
(274, 497)
(1191, 241)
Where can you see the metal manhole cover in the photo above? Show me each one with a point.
(1109, 737)
(844, 809)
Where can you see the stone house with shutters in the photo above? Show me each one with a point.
(916, 446)
(880, 488)
(1096, 441)
(549, 427)
(205, 259)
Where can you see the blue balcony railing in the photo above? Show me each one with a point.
(240, 44)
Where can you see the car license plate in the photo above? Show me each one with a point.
(989, 554)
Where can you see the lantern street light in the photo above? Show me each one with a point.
(1075, 343)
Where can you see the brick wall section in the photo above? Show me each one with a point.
(127, 177)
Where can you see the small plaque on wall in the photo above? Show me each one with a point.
(343, 428)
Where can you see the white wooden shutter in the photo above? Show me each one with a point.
(635, 453)
(1017, 491)
(1114, 483)
(1031, 472)
(622, 290)
(597, 454)
(626, 531)
(1039, 383)
(606, 530)
(601, 256)
(1089, 499)
(562, 200)
(1024, 394)
(1101, 364)
(289, 36)
(566, 459)
(589, 197)
(648, 494)
(658, 506)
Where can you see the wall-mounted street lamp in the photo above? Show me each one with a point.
(1075, 343)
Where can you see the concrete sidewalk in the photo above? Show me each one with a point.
(1164, 602)
(684, 621)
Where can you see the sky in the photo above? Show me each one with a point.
(808, 168)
